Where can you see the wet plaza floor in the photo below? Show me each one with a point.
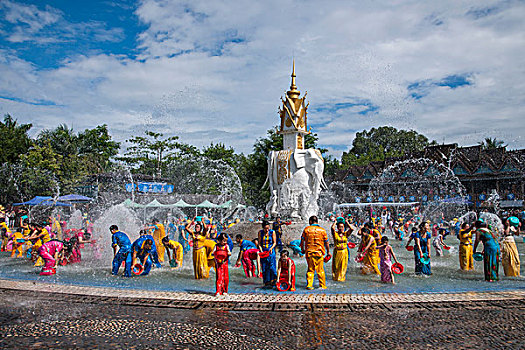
(41, 320)
(83, 306)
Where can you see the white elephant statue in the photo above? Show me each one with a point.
(296, 179)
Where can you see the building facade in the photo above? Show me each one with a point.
(485, 174)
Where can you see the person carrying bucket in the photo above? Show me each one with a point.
(386, 253)
(141, 249)
(267, 240)
(314, 244)
(466, 260)
(286, 273)
(422, 249)
(248, 253)
(491, 250)
(159, 232)
(120, 241)
(221, 252)
(201, 266)
(52, 252)
(341, 253)
(176, 248)
(368, 254)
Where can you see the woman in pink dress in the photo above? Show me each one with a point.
(52, 252)
(386, 253)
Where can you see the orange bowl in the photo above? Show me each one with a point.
(397, 268)
(264, 254)
(137, 269)
(282, 286)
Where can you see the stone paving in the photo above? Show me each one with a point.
(246, 301)
(48, 320)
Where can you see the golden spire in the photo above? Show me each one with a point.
(293, 92)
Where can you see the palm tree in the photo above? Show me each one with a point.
(62, 139)
(492, 143)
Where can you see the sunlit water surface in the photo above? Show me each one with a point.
(447, 277)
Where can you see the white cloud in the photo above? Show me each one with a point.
(30, 24)
(214, 71)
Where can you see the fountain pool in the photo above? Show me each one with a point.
(447, 277)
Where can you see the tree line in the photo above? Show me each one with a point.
(61, 159)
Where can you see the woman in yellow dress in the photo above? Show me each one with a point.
(159, 232)
(6, 232)
(340, 258)
(369, 253)
(40, 235)
(200, 257)
(466, 261)
(176, 259)
(510, 258)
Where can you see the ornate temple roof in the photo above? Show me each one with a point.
(465, 162)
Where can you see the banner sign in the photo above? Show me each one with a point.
(90, 191)
(150, 187)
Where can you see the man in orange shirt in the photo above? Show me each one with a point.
(314, 244)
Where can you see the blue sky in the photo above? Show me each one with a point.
(215, 71)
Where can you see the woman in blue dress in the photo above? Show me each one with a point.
(184, 237)
(491, 250)
(421, 248)
(267, 241)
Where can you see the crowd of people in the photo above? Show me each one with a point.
(51, 244)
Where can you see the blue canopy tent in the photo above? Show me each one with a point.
(74, 198)
(43, 200)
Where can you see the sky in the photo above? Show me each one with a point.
(214, 71)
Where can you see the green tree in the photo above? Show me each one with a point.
(492, 143)
(220, 152)
(97, 148)
(62, 139)
(383, 142)
(151, 154)
(14, 140)
(71, 167)
(42, 171)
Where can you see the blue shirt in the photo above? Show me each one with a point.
(120, 239)
(246, 245)
(137, 245)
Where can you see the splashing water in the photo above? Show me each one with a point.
(422, 177)
(493, 221)
(127, 222)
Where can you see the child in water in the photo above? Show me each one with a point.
(221, 253)
(286, 270)
(386, 253)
